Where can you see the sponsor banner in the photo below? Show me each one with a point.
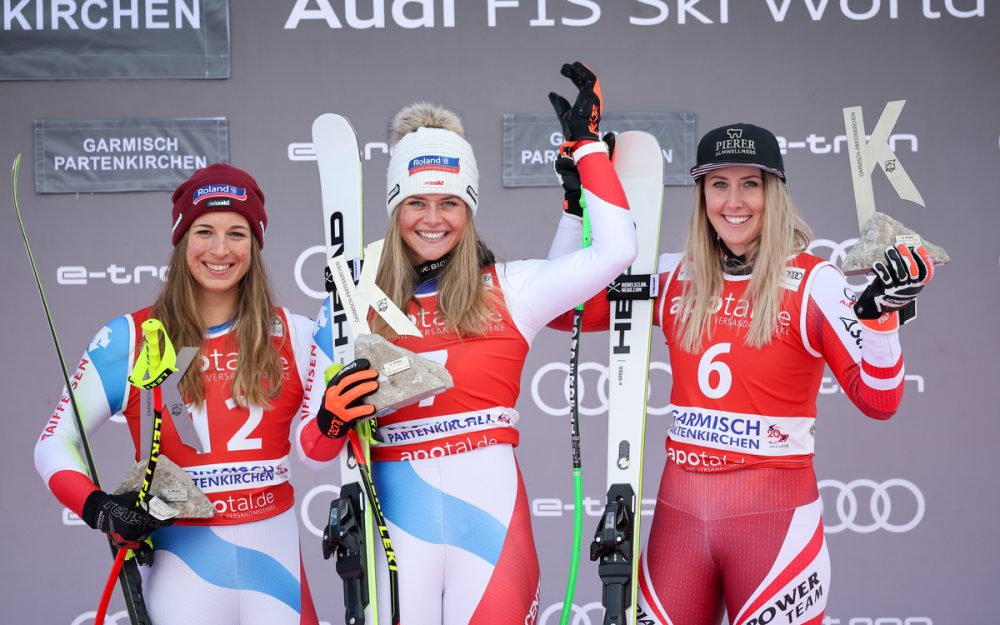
(107, 155)
(230, 476)
(94, 39)
(762, 435)
(531, 143)
(436, 428)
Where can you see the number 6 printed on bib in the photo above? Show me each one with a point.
(709, 365)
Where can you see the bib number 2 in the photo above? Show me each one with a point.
(241, 440)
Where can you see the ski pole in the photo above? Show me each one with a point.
(574, 438)
(380, 522)
(131, 582)
(153, 366)
(356, 448)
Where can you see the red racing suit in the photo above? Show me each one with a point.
(737, 523)
(446, 475)
(243, 470)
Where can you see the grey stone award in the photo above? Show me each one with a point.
(172, 492)
(404, 376)
(172, 486)
(879, 231)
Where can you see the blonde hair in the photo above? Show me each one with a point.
(783, 233)
(259, 375)
(464, 300)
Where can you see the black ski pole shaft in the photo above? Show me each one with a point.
(383, 528)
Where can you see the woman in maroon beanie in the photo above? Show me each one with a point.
(243, 391)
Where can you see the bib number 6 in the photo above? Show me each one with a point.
(723, 380)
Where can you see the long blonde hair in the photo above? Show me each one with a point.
(464, 301)
(259, 375)
(783, 233)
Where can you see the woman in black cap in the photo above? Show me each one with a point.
(751, 320)
(243, 391)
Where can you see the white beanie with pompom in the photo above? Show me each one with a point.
(431, 156)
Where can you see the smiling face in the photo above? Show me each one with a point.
(734, 202)
(431, 225)
(218, 251)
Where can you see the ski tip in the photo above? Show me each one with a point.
(328, 121)
(14, 169)
(637, 139)
(638, 154)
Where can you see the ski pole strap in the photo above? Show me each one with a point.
(155, 363)
(629, 286)
(613, 547)
(345, 536)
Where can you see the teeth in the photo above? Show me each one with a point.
(736, 220)
(217, 267)
(431, 235)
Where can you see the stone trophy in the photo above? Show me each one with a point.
(173, 493)
(404, 376)
(878, 230)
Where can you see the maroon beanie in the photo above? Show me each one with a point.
(219, 187)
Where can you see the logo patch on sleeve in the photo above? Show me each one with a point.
(434, 163)
(220, 191)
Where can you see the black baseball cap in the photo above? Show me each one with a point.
(739, 145)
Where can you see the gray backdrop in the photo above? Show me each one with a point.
(925, 552)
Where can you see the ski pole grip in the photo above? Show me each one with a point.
(331, 371)
(151, 333)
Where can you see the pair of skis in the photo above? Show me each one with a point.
(356, 516)
(638, 161)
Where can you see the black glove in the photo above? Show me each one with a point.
(119, 516)
(897, 281)
(569, 175)
(581, 120)
(342, 405)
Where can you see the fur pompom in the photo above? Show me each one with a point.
(424, 115)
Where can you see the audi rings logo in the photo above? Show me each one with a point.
(882, 499)
(320, 509)
(837, 253)
(306, 255)
(581, 614)
(116, 618)
(558, 373)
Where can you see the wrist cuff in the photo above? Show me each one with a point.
(888, 322)
(90, 506)
(589, 148)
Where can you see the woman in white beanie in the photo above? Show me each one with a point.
(451, 489)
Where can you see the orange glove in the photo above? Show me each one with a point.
(342, 401)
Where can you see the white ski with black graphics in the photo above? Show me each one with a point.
(639, 164)
(339, 161)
